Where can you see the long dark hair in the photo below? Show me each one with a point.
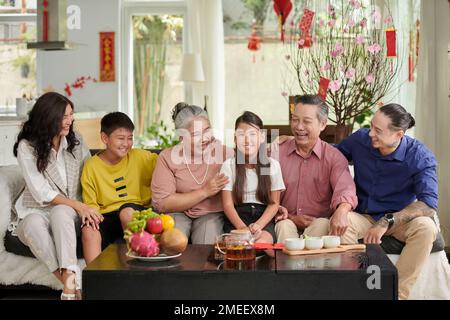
(264, 183)
(43, 124)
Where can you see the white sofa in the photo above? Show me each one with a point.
(433, 282)
(16, 269)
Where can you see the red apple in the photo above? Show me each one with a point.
(154, 225)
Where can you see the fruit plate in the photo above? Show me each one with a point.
(160, 257)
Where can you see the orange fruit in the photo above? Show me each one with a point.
(167, 221)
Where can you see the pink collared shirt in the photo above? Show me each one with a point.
(316, 185)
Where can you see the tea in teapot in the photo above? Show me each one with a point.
(238, 245)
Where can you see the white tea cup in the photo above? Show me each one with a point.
(330, 242)
(294, 244)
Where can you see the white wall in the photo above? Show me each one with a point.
(55, 68)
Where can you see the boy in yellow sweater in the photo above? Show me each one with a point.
(116, 182)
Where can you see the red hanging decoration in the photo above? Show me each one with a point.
(417, 40)
(323, 87)
(282, 9)
(306, 21)
(254, 43)
(305, 40)
(45, 20)
(107, 56)
(391, 43)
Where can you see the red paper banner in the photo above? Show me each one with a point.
(306, 21)
(107, 66)
(391, 43)
(45, 21)
(323, 87)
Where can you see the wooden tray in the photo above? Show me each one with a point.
(341, 248)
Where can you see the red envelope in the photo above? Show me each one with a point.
(267, 246)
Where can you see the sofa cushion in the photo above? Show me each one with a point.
(14, 245)
(392, 245)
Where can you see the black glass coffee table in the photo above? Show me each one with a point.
(196, 275)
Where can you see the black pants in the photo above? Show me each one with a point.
(111, 228)
(250, 213)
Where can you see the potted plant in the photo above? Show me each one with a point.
(346, 49)
(157, 137)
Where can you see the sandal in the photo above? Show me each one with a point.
(76, 269)
(68, 296)
(77, 281)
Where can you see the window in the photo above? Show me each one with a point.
(153, 61)
(253, 79)
(17, 64)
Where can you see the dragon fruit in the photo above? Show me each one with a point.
(144, 244)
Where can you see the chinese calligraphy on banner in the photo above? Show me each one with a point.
(107, 66)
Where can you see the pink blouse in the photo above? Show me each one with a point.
(173, 175)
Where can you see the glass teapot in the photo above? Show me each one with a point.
(236, 245)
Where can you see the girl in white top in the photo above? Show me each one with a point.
(251, 197)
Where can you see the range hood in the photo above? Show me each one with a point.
(51, 26)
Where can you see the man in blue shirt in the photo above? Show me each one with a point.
(396, 184)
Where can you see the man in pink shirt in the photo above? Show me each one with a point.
(320, 191)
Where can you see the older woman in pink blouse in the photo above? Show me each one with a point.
(187, 182)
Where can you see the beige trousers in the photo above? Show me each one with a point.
(287, 229)
(52, 238)
(418, 234)
(202, 230)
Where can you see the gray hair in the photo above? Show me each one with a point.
(322, 107)
(183, 113)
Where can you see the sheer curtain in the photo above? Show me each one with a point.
(205, 37)
(433, 108)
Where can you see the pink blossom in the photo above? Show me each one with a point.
(338, 50)
(332, 23)
(359, 39)
(351, 23)
(301, 42)
(335, 85)
(326, 66)
(370, 78)
(331, 9)
(363, 23)
(355, 4)
(374, 48)
(346, 30)
(350, 73)
(388, 20)
(376, 16)
(284, 94)
(321, 23)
